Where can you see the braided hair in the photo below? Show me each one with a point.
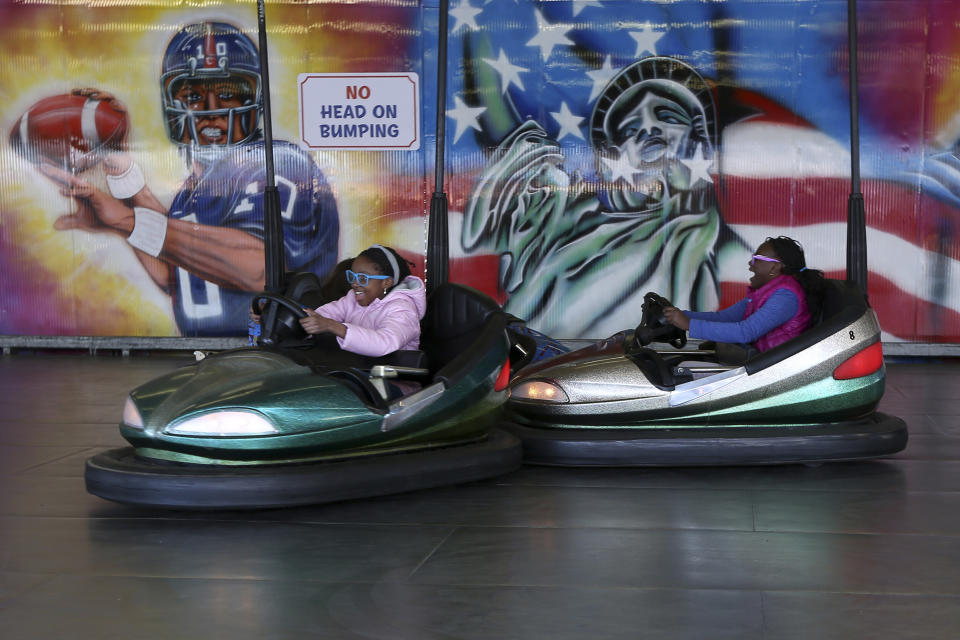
(791, 256)
(388, 261)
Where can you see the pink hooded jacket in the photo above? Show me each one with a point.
(386, 324)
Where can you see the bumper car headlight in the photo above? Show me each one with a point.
(540, 391)
(131, 415)
(223, 423)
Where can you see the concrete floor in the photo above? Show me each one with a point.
(847, 550)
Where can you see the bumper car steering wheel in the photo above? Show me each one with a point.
(653, 325)
(279, 319)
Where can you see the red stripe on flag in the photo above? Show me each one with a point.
(767, 110)
(479, 272)
(405, 198)
(890, 207)
(906, 316)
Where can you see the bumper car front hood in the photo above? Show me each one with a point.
(290, 396)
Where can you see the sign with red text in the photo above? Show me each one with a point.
(369, 111)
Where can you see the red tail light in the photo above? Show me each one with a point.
(503, 379)
(862, 363)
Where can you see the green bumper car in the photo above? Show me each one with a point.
(293, 422)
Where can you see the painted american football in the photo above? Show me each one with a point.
(69, 130)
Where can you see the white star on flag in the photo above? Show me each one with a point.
(580, 5)
(548, 36)
(646, 39)
(508, 71)
(569, 123)
(465, 16)
(464, 116)
(600, 78)
(699, 166)
(621, 168)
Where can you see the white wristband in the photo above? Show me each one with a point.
(128, 183)
(149, 231)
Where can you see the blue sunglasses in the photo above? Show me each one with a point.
(362, 278)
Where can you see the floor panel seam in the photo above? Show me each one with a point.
(432, 552)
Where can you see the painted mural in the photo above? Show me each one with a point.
(595, 150)
(578, 255)
(134, 165)
(637, 146)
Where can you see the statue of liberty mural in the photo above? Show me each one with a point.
(577, 255)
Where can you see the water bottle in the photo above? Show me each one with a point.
(253, 332)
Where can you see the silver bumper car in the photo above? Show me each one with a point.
(620, 402)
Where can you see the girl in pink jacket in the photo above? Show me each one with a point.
(382, 312)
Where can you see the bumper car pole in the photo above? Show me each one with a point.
(856, 214)
(438, 252)
(272, 221)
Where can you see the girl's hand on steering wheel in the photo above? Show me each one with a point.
(316, 323)
(677, 318)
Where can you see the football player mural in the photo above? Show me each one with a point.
(206, 248)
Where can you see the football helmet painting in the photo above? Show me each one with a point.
(211, 88)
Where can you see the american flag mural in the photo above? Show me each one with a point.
(602, 149)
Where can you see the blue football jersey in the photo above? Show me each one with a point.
(229, 193)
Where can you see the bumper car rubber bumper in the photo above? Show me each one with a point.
(122, 476)
(874, 435)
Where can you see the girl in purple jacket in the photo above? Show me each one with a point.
(780, 302)
(381, 313)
